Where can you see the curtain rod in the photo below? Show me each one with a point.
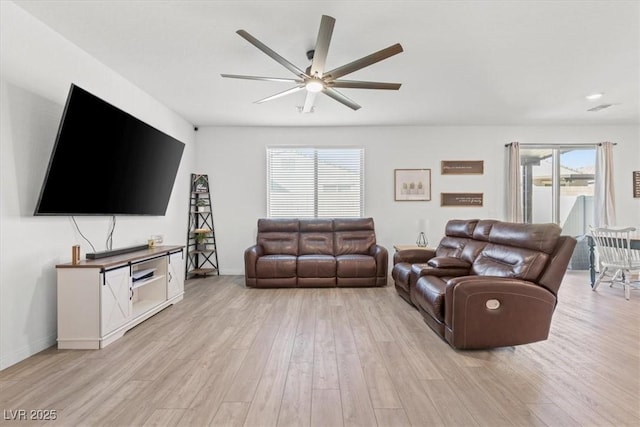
(540, 145)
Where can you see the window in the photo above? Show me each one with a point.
(315, 182)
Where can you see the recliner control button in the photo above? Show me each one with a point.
(492, 304)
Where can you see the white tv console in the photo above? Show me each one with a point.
(101, 299)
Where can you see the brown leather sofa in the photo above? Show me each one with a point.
(315, 253)
(488, 283)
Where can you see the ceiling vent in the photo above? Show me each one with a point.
(599, 107)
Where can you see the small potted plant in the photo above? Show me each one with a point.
(201, 239)
(201, 205)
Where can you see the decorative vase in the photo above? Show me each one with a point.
(422, 240)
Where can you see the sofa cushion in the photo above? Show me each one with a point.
(276, 266)
(508, 261)
(350, 224)
(353, 236)
(483, 229)
(278, 225)
(428, 293)
(316, 243)
(537, 237)
(316, 236)
(451, 246)
(278, 236)
(279, 243)
(460, 227)
(316, 266)
(356, 266)
(400, 274)
(353, 242)
(316, 225)
(471, 250)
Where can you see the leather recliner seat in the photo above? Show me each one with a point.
(316, 253)
(488, 283)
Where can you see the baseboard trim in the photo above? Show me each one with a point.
(27, 351)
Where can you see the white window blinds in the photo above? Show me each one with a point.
(315, 182)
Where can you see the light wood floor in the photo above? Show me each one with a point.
(228, 356)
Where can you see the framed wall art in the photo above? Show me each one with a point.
(636, 184)
(412, 184)
(462, 199)
(462, 167)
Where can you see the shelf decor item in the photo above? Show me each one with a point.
(201, 239)
(422, 241)
(412, 184)
(200, 183)
(462, 167)
(201, 205)
(423, 227)
(75, 254)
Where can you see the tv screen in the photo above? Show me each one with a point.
(107, 162)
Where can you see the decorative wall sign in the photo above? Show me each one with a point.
(200, 183)
(636, 184)
(412, 184)
(462, 167)
(461, 199)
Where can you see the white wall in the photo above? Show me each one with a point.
(37, 69)
(234, 158)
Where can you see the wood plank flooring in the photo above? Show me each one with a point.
(232, 356)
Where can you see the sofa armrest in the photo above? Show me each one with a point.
(440, 267)
(413, 256)
(251, 255)
(419, 270)
(380, 254)
(487, 311)
(445, 262)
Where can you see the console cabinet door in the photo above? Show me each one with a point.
(115, 299)
(175, 282)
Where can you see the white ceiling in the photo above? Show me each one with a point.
(464, 62)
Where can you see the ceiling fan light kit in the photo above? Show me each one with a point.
(314, 79)
(314, 85)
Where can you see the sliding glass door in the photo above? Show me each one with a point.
(557, 185)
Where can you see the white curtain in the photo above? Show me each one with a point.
(603, 196)
(514, 187)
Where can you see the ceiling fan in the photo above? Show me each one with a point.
(315, 79)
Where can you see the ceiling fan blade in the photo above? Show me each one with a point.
(332, 93)
(356, 84)
(322, 45)
(364, 62)
(263, 47)
(280, 94)
(308, 102)
(268, 79)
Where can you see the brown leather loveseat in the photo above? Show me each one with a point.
(315, 253)
(488, 283)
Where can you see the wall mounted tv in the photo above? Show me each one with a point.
(107, 162)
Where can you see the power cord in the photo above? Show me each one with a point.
(109, 242)
(80, 232)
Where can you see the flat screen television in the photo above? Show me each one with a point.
(107, 162)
